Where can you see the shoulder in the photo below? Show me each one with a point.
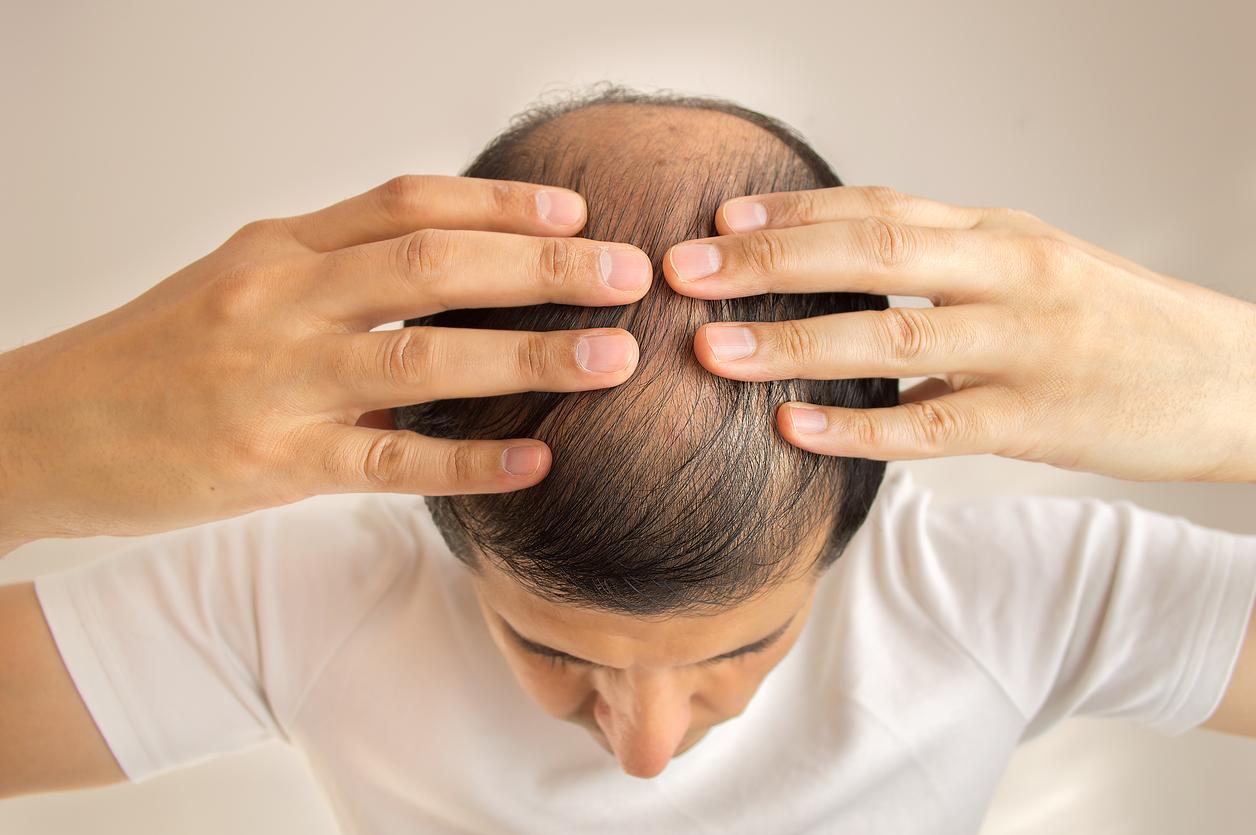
(952, 557)
(340, 544)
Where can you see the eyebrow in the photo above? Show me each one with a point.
(541, 649)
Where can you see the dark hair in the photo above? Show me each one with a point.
(673, 491)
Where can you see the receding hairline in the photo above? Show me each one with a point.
(642, 125)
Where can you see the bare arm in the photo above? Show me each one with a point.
(1237, 712)
(1154, 383)
(279, 414)
(48, 741)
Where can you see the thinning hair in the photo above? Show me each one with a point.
(672, 492)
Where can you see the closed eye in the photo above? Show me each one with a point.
(563, 659)
(733, 656)
(557, 657)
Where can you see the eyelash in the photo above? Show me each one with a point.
(556, 660)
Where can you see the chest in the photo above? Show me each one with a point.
(438, 738)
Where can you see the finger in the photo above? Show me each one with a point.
(898, 342)
(781, 209)
(353, 459)
(975, 420)
(872, 255)
(434, 269)
(428, 201)
(380, 369)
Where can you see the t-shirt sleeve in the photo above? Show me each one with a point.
(202, 641)
(1081, 606)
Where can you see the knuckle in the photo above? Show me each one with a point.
(765, 252)
(402, 195)
(801, 207)
(504, 199)
(532, 358)
(461, 466)
(886, 202)
(249, 451)
(385, 460)
(865, 431)
(1016, 217)
(406, 359)
(426, 253)
(237, 292)
(259, 230)
(888, 244)
(1047, 254)
(558, 263)
(796, 341)
(907, 334)
(935, 423)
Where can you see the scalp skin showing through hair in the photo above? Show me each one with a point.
(672, 492)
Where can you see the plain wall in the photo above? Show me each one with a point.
(138, 136)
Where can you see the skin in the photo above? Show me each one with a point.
(1042, 347)
(647, 697)
(1039, 346)
(299, 406)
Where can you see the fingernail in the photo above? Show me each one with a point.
(730, 343)
(807, 421)
(745, 217)
(623, 269)
(561, 208)
(604, 353)
(521, 460)
(691, 261)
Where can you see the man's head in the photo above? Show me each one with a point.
(675, 525)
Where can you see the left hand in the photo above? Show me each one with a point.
(1040, 346)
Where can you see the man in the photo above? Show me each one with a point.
(670, 554)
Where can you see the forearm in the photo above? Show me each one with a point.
(1243, 411)
(13, 532)
(1250, 379)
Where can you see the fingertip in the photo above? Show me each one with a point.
(716, 286)
(626, 269)
(702, 352)
(740, 361)
(801, 423)
(524, 464)
(740, 214)
(605, 356)
(672, 274)
(561, 208)
(721, 222)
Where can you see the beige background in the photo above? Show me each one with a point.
(139, 135)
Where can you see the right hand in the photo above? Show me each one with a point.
(250, 378)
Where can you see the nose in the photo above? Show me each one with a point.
(645, 716)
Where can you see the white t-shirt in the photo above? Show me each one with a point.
(943, 637)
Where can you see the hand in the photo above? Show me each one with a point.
(1040, 346)
(240, 381)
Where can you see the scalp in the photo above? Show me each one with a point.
(672, 490)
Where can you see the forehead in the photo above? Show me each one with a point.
(621, 640)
